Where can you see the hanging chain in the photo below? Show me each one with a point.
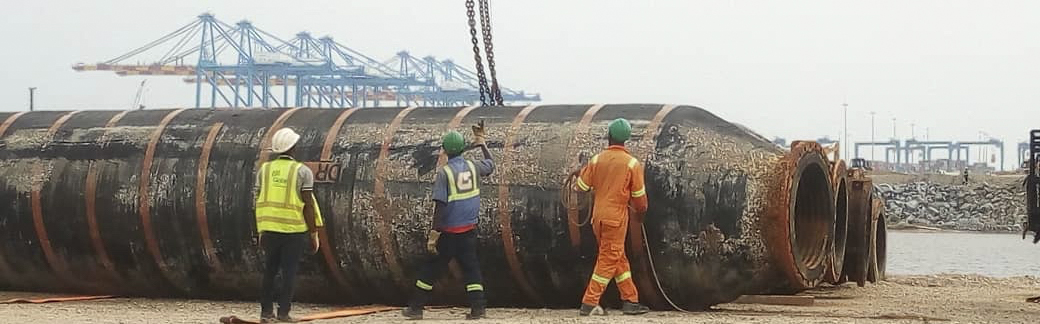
(482, 87)
(485, 24)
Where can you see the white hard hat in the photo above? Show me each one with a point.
(283, 140)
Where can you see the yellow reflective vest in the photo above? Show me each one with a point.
(279, 207)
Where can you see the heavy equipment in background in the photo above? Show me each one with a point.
(1032, 184)
(139, 97)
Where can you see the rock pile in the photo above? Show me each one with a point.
(973, 207)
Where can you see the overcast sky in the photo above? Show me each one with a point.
(782, 68)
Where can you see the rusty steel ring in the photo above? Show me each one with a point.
(800, 223)
(836, 258)
(878, 240)
(857, 237)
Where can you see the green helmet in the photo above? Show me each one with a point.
(452, 143)
(619, 130)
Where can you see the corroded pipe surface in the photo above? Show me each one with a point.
(857, 246)
(836, 259)
(159, 202)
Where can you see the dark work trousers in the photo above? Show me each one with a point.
(463, 248)
(282, 252)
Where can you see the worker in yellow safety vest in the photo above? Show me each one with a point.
(286, 217)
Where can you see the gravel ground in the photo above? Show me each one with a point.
(904, 299)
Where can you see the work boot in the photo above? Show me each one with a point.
(476, 313)
(633, 309)
(587, 310)
(267, 318)
(286, 319)
(412, 313)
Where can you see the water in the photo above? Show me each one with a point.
(998, 255)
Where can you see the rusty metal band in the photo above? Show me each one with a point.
(265, 144)
(644, 150)
(330, 138)
(572, 211)
(5, 267)
(57, 264)
(58, 123)
(90, 195)
(382, 204)
(10, 120)
(144, 197)
(326, 249)
(200, 198)
(505, 219)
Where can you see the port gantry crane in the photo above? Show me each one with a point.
(244, 66)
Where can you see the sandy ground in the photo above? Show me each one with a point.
(904, 299)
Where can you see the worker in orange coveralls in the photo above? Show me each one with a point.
(616, 178)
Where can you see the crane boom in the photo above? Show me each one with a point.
(137, 98)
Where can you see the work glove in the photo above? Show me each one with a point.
(315, 242)
(479, 134)
(431, 241)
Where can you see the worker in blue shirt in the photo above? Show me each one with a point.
(456, 194)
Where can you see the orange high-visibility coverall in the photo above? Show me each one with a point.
(617, 179)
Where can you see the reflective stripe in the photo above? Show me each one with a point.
(280, 220)
(632, 163)
(475, 287)
(277, 205)
(594, 159)
(640, 193)
(423, 285)
(453, 190)
(600, 280)
(318, 220)
(263, 187)
(582, 185)
(624, 276)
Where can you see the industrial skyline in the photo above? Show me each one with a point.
(774, 67)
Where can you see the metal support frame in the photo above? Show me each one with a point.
(1032, 184)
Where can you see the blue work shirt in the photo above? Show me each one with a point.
(460, 214)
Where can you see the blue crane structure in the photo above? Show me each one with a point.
(244, 66)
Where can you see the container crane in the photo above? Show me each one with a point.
(244, 66)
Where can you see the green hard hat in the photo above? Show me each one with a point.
(452, 142)
(619, 130)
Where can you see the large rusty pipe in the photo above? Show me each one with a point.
(159, 202)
